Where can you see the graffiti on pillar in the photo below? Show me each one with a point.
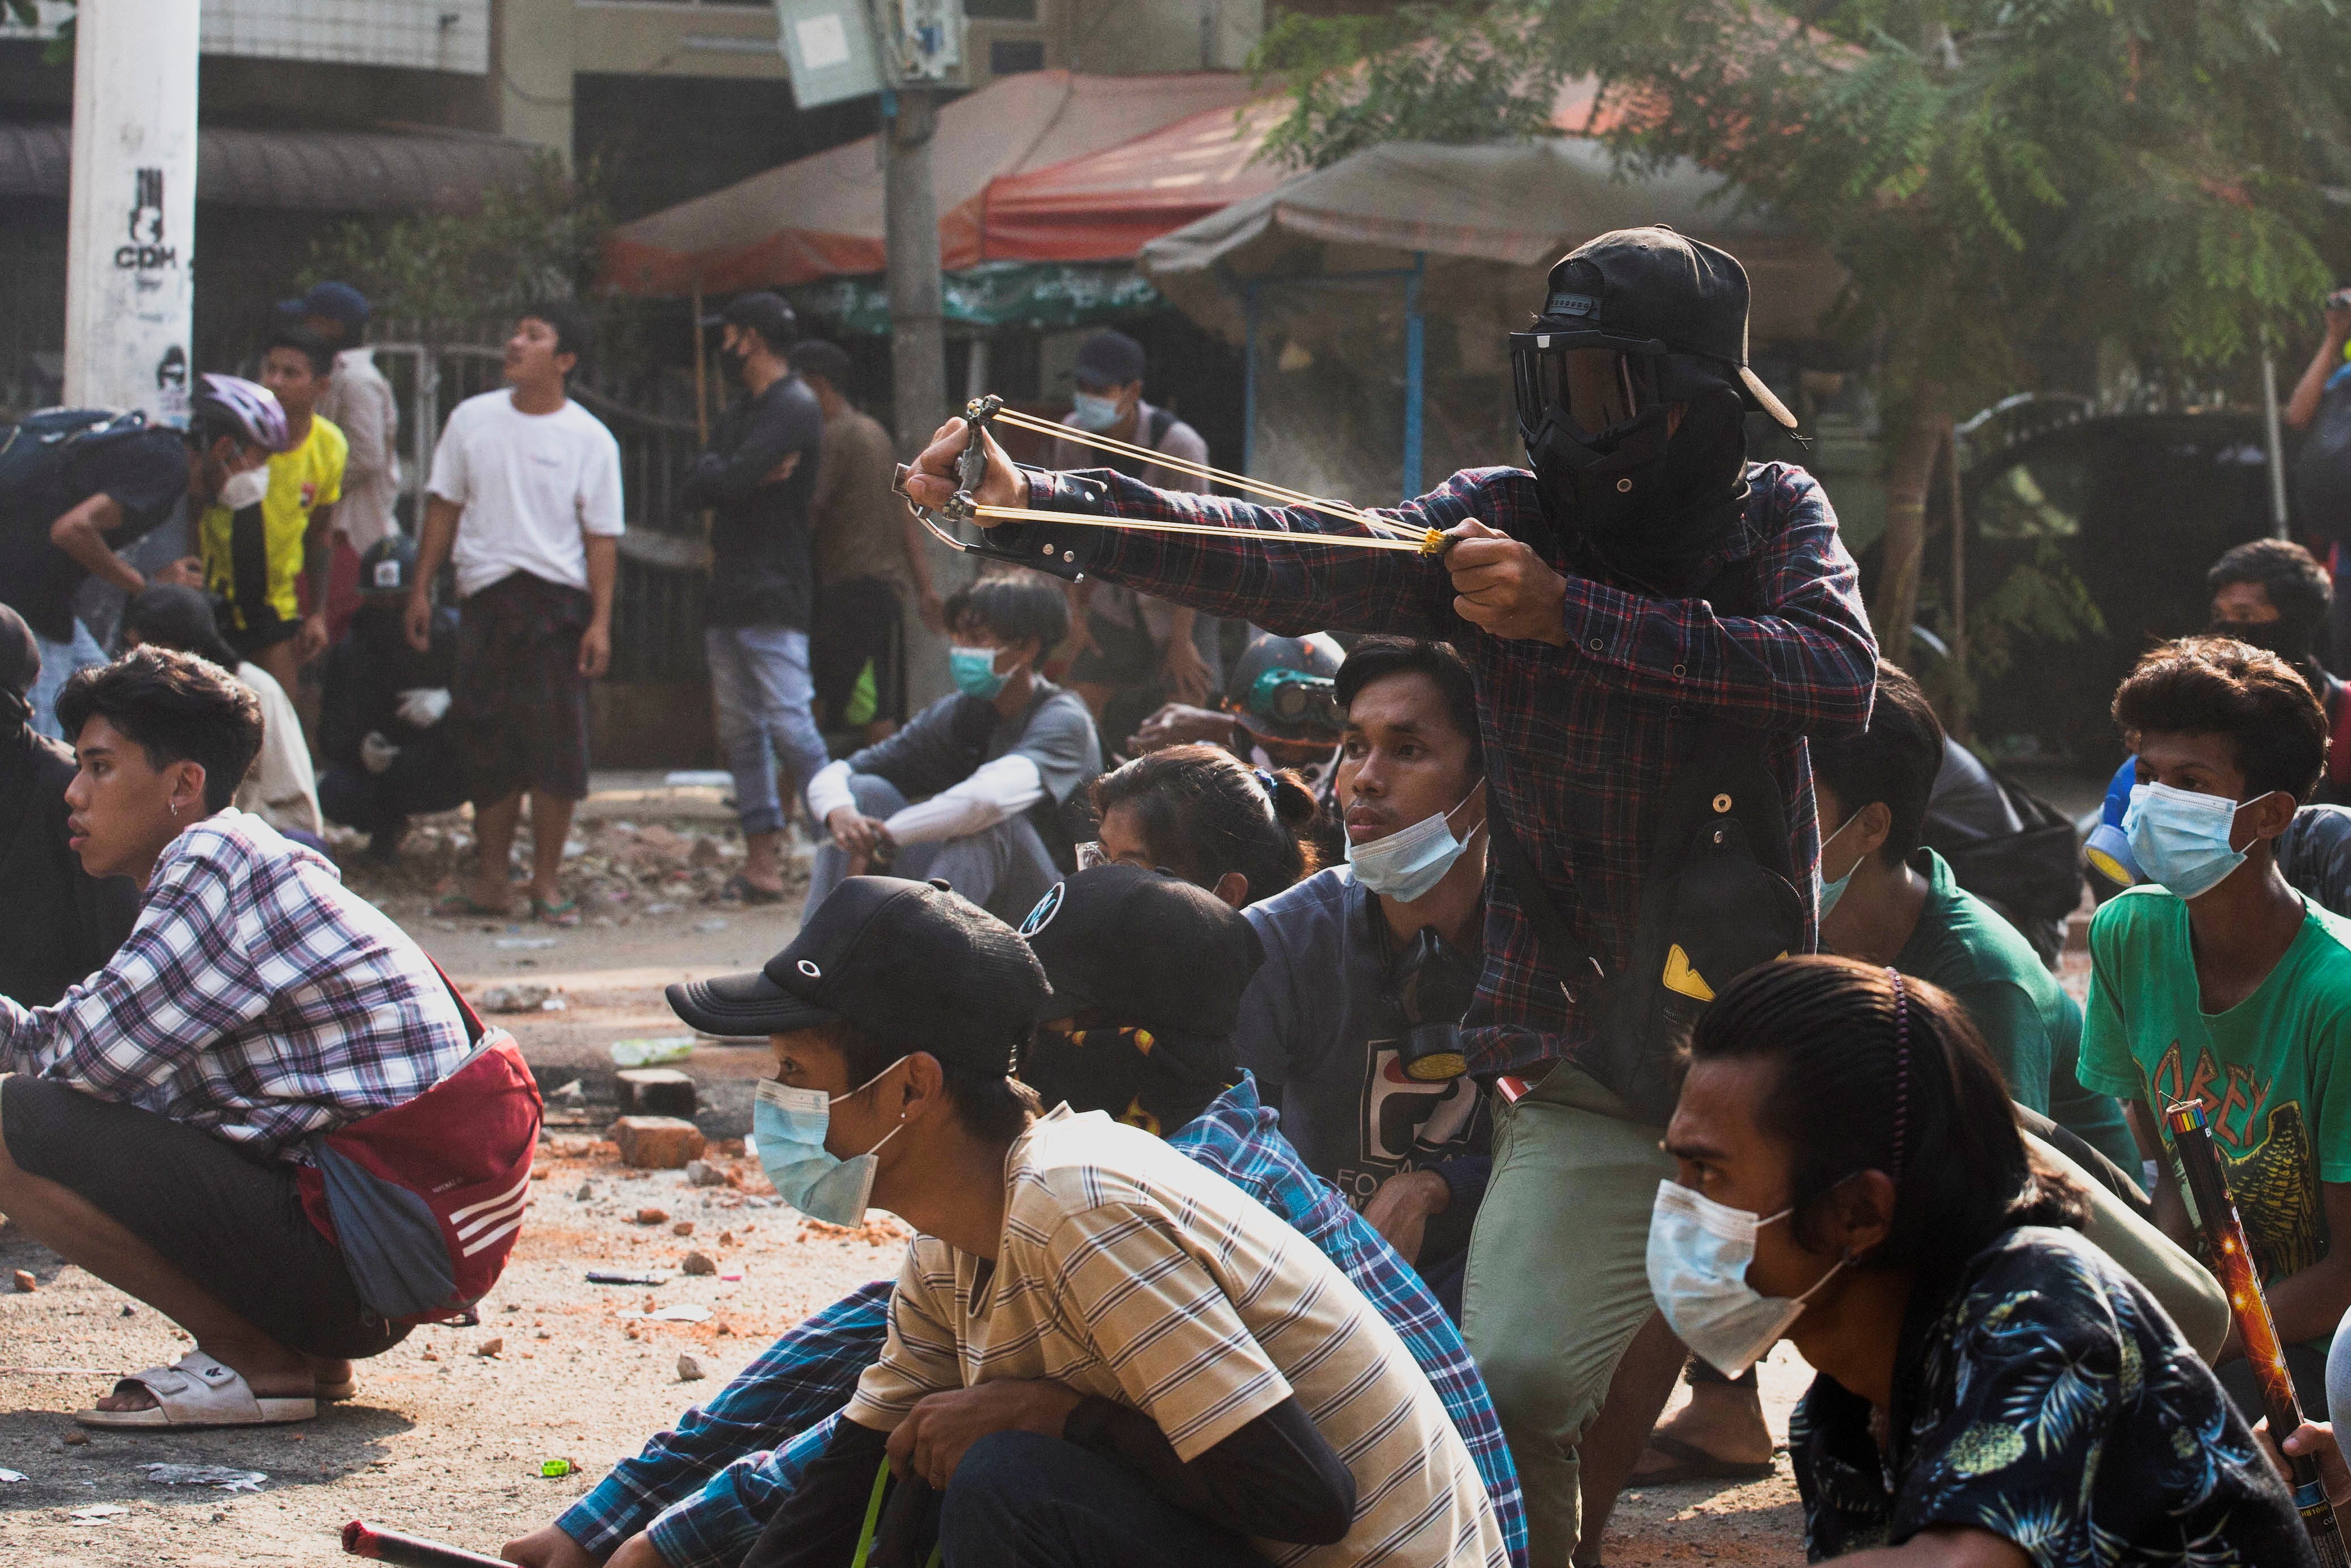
(172, 370)
(146, 254)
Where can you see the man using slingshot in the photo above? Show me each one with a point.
(1641, 581)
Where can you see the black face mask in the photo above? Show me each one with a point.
(1649, 505)
(2289, 640)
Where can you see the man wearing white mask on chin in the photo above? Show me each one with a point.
(2216, 982)
(1353, 1025)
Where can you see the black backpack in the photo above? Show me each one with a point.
(2032, 877)
(33, 451)
(1718, 898)
(1061, 823)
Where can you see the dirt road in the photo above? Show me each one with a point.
(445, 1441)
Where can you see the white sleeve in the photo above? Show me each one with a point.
(449, 480)
(599, 488)
(829, 791)
(1003, 788)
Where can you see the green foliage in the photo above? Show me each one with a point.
(2040, 602)
(58, 50)
(460, 273)
(1993, 173)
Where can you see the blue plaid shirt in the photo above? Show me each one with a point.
(748, 1448)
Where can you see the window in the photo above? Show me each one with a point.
(1010, 57)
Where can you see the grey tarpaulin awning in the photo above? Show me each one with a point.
(300, 171)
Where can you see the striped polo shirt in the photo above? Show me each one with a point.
(1128, 1271)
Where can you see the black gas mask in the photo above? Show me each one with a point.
(1639, 456)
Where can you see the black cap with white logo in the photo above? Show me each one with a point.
(1145, 946)
(911, 964)
(1654, 291)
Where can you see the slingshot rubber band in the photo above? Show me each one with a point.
(1428, 543)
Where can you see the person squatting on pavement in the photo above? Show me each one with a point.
(972, 790)
(1645, 613)
(268, 1116)
(1147, 973)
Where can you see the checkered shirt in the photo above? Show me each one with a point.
(791, 1396)
(256, 997)
(1578, 739)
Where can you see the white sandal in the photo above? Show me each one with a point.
(199, 1392)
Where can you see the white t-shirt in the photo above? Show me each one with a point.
(282, 789)
(533, 486)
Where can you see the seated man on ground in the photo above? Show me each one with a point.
(282, 790)
(390, 754)
(1098, 1353)
(1992, 1390)
(161, 1116)
(2217, 981)
(1213, 820)
(58, 921)
(1353, 1025)
(972, 789)
(1162, 968)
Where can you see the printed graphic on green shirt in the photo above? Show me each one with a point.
(2265, 1070)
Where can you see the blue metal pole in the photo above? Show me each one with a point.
(1249, 382)
(1414, 364)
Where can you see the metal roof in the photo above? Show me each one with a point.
(300, 171)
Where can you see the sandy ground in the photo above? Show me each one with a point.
(443, 1441)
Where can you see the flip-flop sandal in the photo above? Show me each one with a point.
(1689, 1462)
(199, 1392)
(464, 905)
(566, 913)
(336, 1393)
(749, 891)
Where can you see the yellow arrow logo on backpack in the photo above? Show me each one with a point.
(1681, 977)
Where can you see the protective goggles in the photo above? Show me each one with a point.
(1293, 697)
(1599, 387)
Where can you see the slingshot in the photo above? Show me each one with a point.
(971, 468)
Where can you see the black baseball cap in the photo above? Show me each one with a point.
(910, 963)
(1109, 358)
(1145, 946)
(335, 301)
(765, 313)
(1654, 291)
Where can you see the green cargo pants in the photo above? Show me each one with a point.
(1558, 1280)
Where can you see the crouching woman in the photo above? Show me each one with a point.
(1994, 1391)
(269, 1115)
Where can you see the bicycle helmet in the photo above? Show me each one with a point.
(233, 406)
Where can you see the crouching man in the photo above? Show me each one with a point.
(268, 1116)
(1097, 1352)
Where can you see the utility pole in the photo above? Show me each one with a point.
(131, 207)
(918, 362)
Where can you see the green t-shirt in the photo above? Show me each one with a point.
(2265, 1071)
(2033, 1026)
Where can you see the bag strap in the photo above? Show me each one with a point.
(1735, 589)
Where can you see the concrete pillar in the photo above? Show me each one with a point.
(131, 208)
(532, 55)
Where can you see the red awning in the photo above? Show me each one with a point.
(821, 216)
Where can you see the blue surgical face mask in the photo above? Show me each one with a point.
(1698, 1254)
(974, 672)
(1405, 865)
(1832, 891)
(1094, 412)
(2180, 838)
(789, 1125)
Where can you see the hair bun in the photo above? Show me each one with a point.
(1293, 803)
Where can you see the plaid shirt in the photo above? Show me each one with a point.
(793, 1391)
(1577, 738)
(256, 997)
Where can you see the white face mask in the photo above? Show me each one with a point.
(1698, 1254)
(1405, 864)
(245, 489)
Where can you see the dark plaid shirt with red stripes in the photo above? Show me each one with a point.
(1577, 738)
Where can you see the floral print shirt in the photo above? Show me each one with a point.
(2043, 1396)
